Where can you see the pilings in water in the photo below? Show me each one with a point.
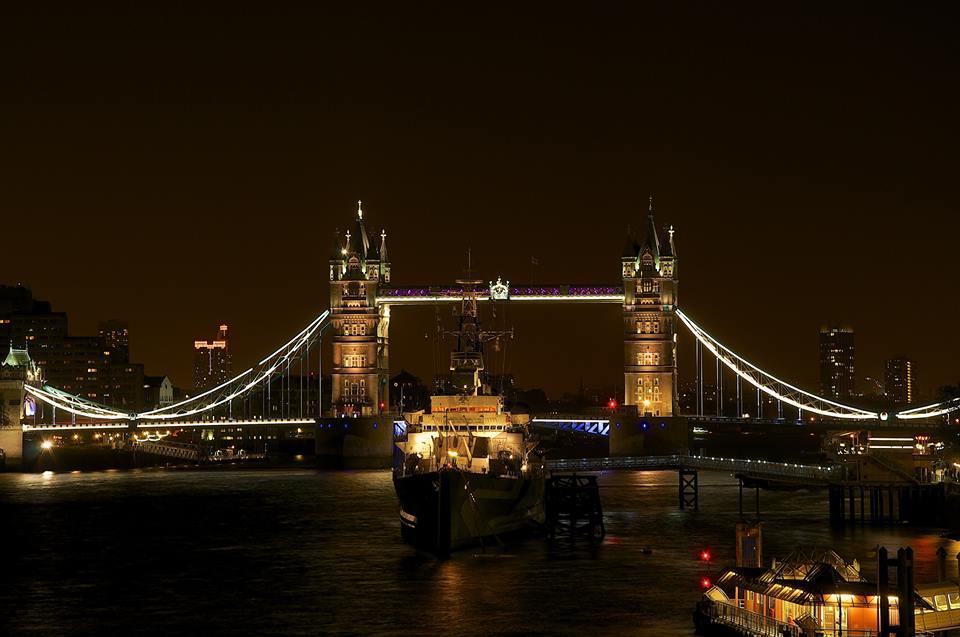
(885, 503)
(573, 507)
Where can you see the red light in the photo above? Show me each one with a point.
(705, 582)
(381, 404)
(612, 404)
(705, 556)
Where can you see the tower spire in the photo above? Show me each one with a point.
(383, 246)
(650, 207)
(359, 209)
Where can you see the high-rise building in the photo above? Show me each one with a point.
(836, 362)
(360, 366)
(898, 380)
(82, 365)
(649, 299)
(116, 336)
(212, 362)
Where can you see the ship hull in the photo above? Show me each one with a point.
(447, 510)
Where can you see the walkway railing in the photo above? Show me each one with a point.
(747, 467)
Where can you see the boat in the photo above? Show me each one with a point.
(466, 473)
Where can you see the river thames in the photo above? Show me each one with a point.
(301, 552)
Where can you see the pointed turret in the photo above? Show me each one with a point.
(650, 239)
(359, 242)
(667, 250)
(383, 246)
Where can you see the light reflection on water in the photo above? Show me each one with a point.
(302, 552)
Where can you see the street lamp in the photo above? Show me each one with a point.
(400, 404)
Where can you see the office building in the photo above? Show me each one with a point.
(212, 363)
(836, 362)
(898, 380)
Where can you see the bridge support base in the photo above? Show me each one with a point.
(11, 448)
(689, 491)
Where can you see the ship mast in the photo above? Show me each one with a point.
(466, 361)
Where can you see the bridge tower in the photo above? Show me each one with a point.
(650, 343)
(16, 370)
(360, 375)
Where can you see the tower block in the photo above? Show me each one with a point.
(649, 322)
(360, 328)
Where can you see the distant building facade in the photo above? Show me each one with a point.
(898, 380)
(836, 362)
(86, 366)
(157, 391)
(116, 336)
(212, 361)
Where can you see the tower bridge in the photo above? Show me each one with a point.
(363, 296)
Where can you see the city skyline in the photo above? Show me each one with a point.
(339, 318)
(823, 222)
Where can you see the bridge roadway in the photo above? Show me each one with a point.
(758, 469)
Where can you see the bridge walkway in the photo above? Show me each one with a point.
(745, 468)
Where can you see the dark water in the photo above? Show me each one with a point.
(314, 553)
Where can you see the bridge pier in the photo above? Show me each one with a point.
(689, 491)
(11, 447)
(15, 370)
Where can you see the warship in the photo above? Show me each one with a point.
(466, 473)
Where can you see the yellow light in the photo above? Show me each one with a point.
(646, 402)
(46, 444)
(452, 453)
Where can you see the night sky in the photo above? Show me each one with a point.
(179, 168)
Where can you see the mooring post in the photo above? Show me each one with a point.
(862, 516)
(883, 587)
(740, 481)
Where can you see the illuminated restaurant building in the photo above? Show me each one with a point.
(820, 594)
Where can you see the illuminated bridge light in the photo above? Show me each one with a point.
(770, 384)
(201, 403)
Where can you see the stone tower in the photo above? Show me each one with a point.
(360, 328)
(649, 322)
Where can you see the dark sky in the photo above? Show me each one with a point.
(179, 167)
